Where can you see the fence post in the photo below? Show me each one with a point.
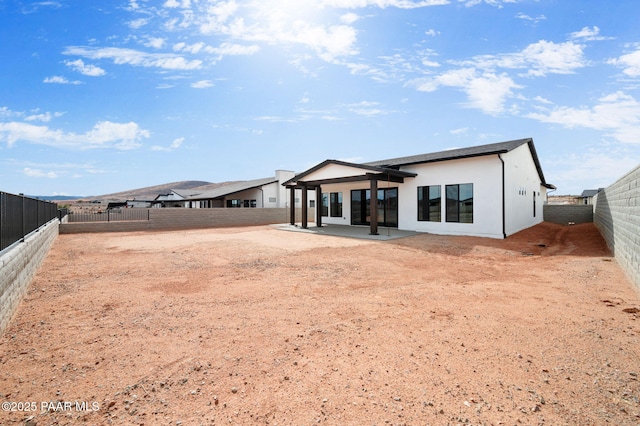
(24, 221)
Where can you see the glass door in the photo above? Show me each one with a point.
(387, 205)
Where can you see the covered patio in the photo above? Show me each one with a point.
(335, 171)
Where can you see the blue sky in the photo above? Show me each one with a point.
(100, 97)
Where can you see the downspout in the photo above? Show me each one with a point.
(504, 214)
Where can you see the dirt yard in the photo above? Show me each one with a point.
(263, 326)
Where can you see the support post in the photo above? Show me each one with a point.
(373, 208)
(303, 199)
(292, 205)
(318, 206)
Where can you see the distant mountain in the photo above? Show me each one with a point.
(147, 193)
(57, 197)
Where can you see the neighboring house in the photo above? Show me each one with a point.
(490, 191)
(588, 194)
(174, 198)
(258, 193)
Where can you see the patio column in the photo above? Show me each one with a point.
(373, 207)
(318, 206)
(292, 205)
(304, 206)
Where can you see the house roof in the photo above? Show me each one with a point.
(183, 193)
(590, 192)
(231, 188)
(366, 167)
(394, 164)
(453, 154)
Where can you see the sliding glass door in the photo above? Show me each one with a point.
(387, 204)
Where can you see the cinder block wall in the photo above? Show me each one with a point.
(565, 213)
(179, 218)
(19, 265)
(617, 215)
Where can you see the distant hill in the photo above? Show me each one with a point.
(146, 193)
(151, 192)
(56, 197)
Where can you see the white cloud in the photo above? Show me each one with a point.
(526, 17)
(540, 58)
(81, 67)
(617, 114)
(177, 143)
(39, 173)
(589, 34)
(401, 4)
(629, 62)
(138, 23)
(104, 134)
(175, 3)
(56, 79)
(202, 84)
(496, 3)
(45, 117)
(367, 109)
(37, 6)
(349, 18)
(155, 42)
(460, 131)
(485, 91)
(432, 32)
(134, 57)
(6, 113)
(189, 48)
(280, 22)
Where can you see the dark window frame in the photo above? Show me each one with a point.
(459, 210)
(324, 205)
(425, 211)
(335, 204)
(234, 203)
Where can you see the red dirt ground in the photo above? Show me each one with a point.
(261, 326)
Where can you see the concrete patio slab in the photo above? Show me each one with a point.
(349, 231)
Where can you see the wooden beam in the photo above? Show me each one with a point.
(304, 207)
(373, 208)
(292, 205)
(385, 177)
(318, 206)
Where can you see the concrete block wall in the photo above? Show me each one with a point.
(169, 219)
(565, 213)
(617, 216)
(18, 266)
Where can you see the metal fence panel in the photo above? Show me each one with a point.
(20, 215)
(113, 215)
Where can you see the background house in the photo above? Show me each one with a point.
(588, 194)
(258, 193)
(491, 190)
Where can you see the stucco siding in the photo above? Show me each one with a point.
(485, 173)
(331, 171)
(521, 189)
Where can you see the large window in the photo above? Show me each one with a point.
(336, 204)
(430, 203)
(387, 205)
(324, 205)
(460, 203)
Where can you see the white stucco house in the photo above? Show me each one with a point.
(490, 190)
(257, 193)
